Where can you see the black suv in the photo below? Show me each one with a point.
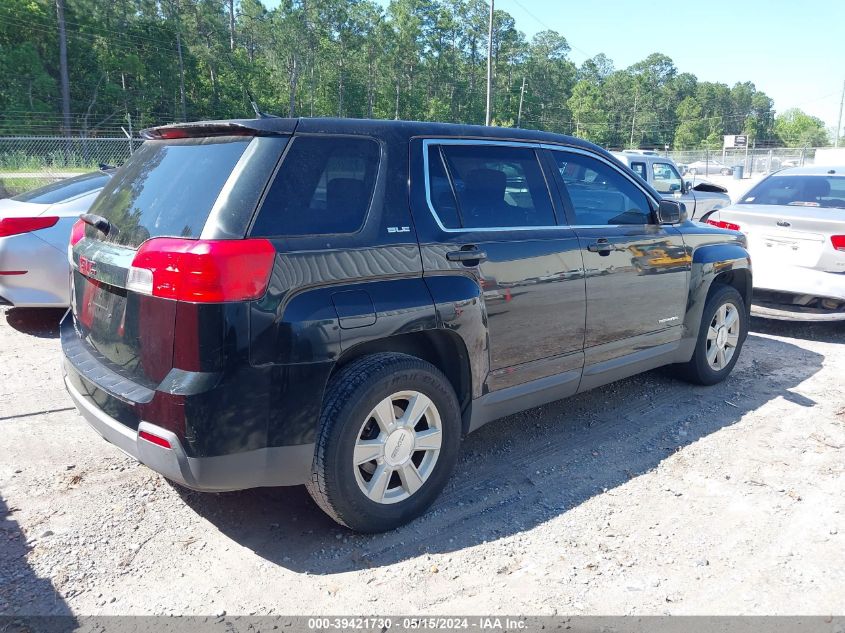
(336, 303)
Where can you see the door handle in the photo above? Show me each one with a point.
(601, 246)
(470, 256)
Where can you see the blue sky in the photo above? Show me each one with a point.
(794, 50)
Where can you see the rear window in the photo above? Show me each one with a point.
(65, 189)
(167, 188)
(324, 186)
(799, 191)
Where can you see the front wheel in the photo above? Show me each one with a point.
(388, 440)
(724, 326)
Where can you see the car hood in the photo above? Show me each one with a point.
(709, 187)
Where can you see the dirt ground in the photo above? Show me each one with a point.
(648, 496)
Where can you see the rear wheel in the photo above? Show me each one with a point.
(724, 326)
(388, 440)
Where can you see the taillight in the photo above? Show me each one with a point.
(838, 242)
(724, 225)
(203, 271)
(77, 232)
(16, 226)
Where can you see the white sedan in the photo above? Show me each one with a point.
(34, 232)
(795, 224)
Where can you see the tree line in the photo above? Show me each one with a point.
(89, 67)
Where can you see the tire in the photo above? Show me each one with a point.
(702, 369)
(407, 471)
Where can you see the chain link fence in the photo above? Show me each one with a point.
(27, 162)
(752, 161)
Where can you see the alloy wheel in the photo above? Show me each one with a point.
(397, 447)
(723, 336)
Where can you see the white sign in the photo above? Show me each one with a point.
(735, 140)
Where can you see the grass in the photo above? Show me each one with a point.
(13, 186)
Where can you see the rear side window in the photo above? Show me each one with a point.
(440, 190)
(324, 186)
(496, 186)
(639, 169)
(65, 189)
(599, 194)
(167, 188)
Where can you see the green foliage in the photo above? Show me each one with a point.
(414, 59)
(794, 128)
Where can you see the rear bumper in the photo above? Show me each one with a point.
(786, 312)
(799, 281)
(274, 466)
(793, 293)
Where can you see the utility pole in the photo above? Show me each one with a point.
(634, 117)
(521, 97)
(489, 117)
(63, 69)
(839, 120)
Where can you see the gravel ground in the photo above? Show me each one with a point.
(648, 496)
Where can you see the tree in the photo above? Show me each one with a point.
(795, 128)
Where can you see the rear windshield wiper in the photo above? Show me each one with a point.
(97, 221)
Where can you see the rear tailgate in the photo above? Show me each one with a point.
(188, 188)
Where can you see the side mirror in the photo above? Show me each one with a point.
(670, 212)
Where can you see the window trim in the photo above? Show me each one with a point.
(427, 142)
(566, 223)
(649, 197)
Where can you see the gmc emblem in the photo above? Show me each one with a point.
(87, 267)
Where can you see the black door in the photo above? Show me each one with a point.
(490, 215)
(637, 271)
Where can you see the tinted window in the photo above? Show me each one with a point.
(666, 178)
(639, 169)
(324, 185)
(440, 190)
(168, 188)
(599, 194)
(799, 191)
(498, 186)
(65, 189)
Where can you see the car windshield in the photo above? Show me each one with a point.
(799, 191)
(65, 189)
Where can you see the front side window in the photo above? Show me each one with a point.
(492, 186)
(324, 186)
(666, 178)
(599, 194)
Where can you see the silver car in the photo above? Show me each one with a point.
(662, 174)
(795, 224)
(34, 232)
(709, 168)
